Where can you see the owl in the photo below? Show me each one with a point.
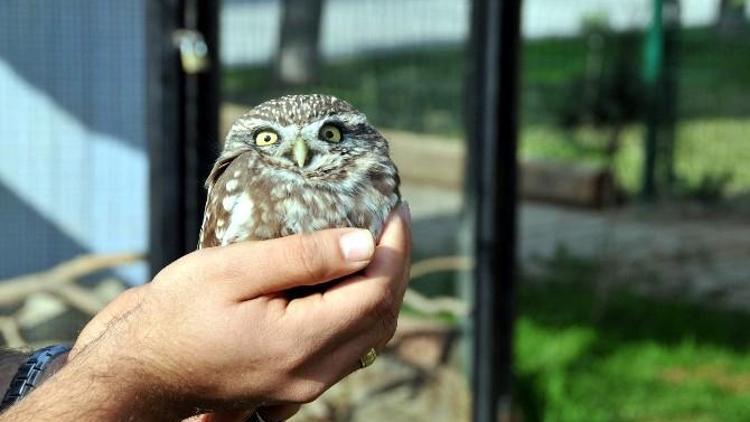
(298, 164)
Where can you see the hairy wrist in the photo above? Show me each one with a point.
(119, 364)
(106, 380)
(92, 390)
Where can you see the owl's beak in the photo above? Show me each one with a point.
(299, 152)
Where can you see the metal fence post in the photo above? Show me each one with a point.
(491, 178)
(166, 171)
(182, 126)
(659, 74)
(202, 93)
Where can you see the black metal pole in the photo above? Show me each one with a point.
(492, 178)
(202, 93)
(164, 120)
(183, 116)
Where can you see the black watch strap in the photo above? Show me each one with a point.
(28, 375)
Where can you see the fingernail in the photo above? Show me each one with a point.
(405, 212)
(357, 246)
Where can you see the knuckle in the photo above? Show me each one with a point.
(298, 359)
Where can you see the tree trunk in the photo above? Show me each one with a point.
(297, 59)
(732, 19)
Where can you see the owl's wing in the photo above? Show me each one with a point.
(220, 166)
(214, 210)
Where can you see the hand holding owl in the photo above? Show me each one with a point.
(297, 164)
(214, 331)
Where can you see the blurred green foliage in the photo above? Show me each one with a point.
(421, 90)
(712, 76)
(631, 358)
(711, 156)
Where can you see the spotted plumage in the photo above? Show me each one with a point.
(297, 164)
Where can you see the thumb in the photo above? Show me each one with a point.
(250, 269)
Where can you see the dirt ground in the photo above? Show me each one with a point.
(698, 256)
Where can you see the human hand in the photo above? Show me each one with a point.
(214, 331)
(128, 300)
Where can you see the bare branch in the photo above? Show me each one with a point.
(16, 289)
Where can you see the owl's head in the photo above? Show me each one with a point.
(309, 135)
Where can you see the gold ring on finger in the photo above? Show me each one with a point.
(368, 358)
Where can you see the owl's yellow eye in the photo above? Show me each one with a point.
(330, 133)
(266, 137)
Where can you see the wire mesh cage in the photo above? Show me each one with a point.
(632, 115)
(407, 76)
(74, 167)
(633, 191)
(73, 164)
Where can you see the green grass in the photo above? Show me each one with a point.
(714, 147)
(631, 358)
(581, 356)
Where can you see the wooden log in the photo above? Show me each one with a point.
(439, 161)
(427, 159)
(567, 183)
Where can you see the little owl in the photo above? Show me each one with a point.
(297, 164)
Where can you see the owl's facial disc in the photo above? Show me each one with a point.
(307, 147)
(310, 148)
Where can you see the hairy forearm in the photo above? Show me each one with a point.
(78, 392)
(100, 383)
